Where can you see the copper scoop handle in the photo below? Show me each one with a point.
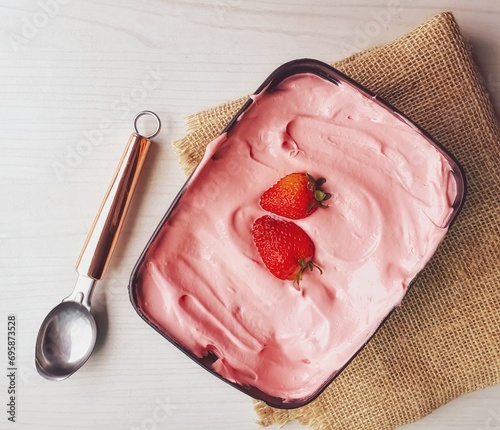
(103, 235)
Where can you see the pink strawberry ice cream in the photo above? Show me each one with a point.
(203, 283)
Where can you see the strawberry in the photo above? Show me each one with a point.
(286, 249)
(295, 196)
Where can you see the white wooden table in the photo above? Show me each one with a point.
(72, 76)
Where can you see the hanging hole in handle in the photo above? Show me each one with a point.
(148, 113)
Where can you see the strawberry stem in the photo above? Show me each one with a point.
(304, 265)
(319, 194)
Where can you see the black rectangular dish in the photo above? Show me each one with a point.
(303, 227)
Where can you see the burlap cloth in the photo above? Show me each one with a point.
(444, 340)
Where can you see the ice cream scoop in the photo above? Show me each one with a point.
(68, 334)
